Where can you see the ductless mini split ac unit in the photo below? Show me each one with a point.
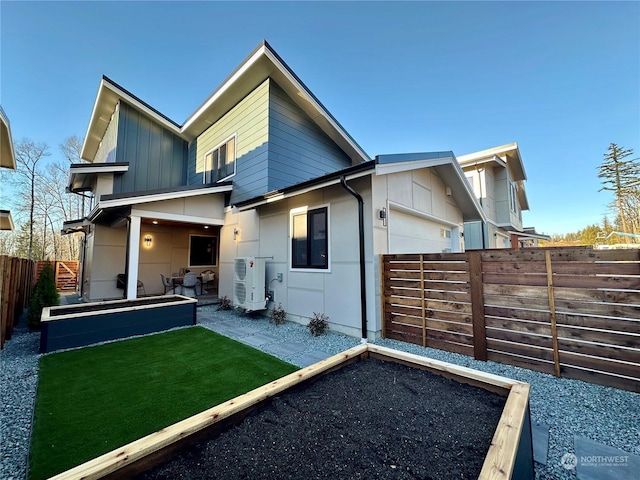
(249, 284)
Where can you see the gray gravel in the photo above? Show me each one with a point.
(18, 385)
(570, 407)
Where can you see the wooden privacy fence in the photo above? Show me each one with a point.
(66, 274)
(16, 285)
(572, 312)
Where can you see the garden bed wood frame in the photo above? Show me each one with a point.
(510, 454)
(71, 326)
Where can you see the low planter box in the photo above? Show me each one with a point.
(510, 454)
(87, 323)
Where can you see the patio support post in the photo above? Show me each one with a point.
(133, 257)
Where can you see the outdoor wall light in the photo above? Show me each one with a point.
(147, 240)
(382, 215)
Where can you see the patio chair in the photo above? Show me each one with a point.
(189, 284)
(208, 278)
(167, 284)
(121, 283)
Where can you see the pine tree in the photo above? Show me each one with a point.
(44, 294)
(620, 176)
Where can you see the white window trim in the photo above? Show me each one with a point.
(296, 211)
(217, 260)
(235, 158)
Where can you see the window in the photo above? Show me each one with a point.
(445, 233)
(203, 251)
(310, 238)
(512, 197)
(220, 163)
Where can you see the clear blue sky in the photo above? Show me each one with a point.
(560, 78)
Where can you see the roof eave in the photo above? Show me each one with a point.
(510, 151)
(108, 97)
(261, 64)
(7, 153)
(6, 221)
(449, 171)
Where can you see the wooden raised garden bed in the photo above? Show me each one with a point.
(88, 323)
(506, 454)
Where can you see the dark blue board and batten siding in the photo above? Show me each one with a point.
(157, 157)
(72, 331)
(278, 144)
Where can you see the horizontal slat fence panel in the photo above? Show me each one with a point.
(573, 312)
(16, 285)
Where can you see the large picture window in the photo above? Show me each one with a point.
(203, 251)
(310, 238)
(220, 163)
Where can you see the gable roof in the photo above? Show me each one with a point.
(448, 169)
(261, 64)
(509, 152)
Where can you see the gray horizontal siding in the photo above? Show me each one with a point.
(157, 158)
(251, 177)
(298, 149)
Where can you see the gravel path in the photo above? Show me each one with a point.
(570, 407)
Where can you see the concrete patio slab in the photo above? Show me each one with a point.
(311, 357)
(284, 349)
(596, 461)
(234, 331)
(259, 339)
(540, 434)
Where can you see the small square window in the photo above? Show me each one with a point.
(310, 239)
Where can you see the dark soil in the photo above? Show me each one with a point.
(369, 420)
(80, 308)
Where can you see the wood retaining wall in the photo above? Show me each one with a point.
(571, 312)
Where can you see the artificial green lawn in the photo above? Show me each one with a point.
(95, 399)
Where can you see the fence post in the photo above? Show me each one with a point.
(383, 315)
(552, 311)
(424, 310)
(477, 306)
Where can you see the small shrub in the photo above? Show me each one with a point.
(318, 324)
(277, 315)
(225, 303)
(45, 294)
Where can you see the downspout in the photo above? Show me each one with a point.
(363, 288)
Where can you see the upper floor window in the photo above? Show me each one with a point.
(513, 204)
(220, 163)
(310, 238)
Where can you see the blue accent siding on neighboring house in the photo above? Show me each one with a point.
(157, 157)
(298, 149)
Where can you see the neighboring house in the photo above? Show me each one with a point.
(7, 160)
(497, 177)
(262, 169)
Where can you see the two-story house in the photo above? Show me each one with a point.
(7, 160)
(497, 177)
(261, 168)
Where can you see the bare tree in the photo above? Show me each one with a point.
(72, 150)
(29, 172)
